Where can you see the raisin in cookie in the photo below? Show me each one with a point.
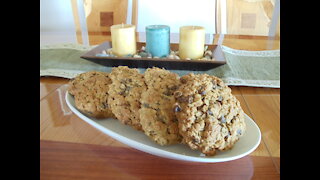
(124, 95)
(210, 117)
(157, 118)
(90, 91)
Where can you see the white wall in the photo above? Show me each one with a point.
(56, 22)
(176, 13)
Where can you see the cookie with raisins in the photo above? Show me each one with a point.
(157, 118)
(210, 117)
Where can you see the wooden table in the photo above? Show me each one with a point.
(72, 149)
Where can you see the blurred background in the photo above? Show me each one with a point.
(88, 21)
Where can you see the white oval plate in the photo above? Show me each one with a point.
(138, 140)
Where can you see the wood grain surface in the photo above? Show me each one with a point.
(60, 160)
(72, 149)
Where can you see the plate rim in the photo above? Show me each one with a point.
(155, 151)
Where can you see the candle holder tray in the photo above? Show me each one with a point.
(144, 62)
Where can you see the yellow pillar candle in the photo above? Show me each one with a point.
(123, 39)
(192, 39)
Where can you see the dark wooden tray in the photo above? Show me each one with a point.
(175, 64)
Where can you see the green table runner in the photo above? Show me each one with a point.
(243, 68)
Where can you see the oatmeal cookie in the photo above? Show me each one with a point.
(90, 91)
(157, 118)
(210, 117)
(125, 93)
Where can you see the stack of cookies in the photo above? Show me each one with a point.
(197, 110)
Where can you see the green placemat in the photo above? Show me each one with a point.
(243, 68)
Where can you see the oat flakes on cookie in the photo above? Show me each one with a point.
(90, 91)
(157, 118)
(210, 117)
(124, 95)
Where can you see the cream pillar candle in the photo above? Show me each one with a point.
(192, 39)
(123, 39)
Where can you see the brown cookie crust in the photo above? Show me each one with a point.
(125, 93)
(90, 91)
(157, 118)
(210, 117)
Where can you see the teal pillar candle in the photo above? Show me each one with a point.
(158, 40)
